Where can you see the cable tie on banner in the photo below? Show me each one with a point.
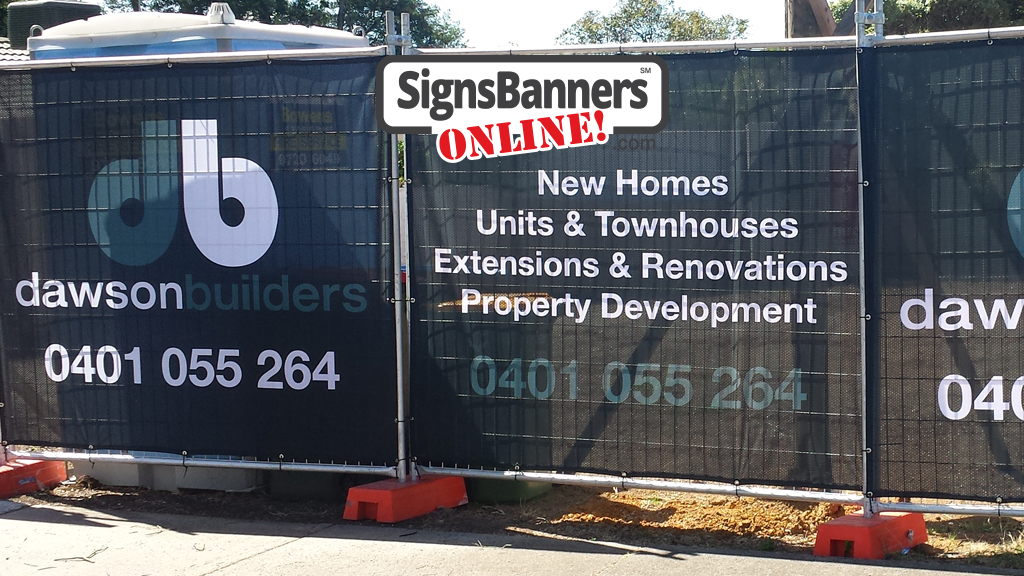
(865, 183)
(867, 317)
(989, 33)
(735, 49)
(736, 487)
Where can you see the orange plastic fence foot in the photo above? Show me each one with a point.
(393, 501)
(19, 477)
(870, 538)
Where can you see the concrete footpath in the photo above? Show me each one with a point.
(67, 540)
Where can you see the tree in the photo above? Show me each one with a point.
(971, 14)
(650, 21)
(913, 16)
(431, 27)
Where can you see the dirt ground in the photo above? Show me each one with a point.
(639, 517)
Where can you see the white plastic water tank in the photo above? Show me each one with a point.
(138, 33)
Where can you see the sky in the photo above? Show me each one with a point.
(536, 23)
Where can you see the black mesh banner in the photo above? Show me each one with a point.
(192, 260)
(683, 304)
(944, 148)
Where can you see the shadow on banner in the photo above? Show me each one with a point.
(684, 304)
(193, 259)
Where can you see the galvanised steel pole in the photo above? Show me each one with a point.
(403, 229)
(398, 279)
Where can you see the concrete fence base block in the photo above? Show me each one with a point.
(170, 478)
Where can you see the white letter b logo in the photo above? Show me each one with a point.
(208, 184)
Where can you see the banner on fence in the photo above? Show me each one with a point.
(944, 149)
(683, 304)
(192, 260)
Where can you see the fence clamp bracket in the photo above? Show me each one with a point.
(868, 18)
(403, 40)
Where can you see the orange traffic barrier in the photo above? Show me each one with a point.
(393, 501)
(870, 538)
(19, 477)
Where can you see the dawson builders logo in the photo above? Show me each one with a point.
(231, 207)
(231, 211)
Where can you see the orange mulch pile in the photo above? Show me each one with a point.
(713, 514)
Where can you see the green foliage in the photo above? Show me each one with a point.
(906, 16)
(401, 161)
(431, 27)
(650, 21)
(970, 14)
(912, 16)
(839, 8)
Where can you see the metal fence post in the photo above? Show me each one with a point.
(863, 19)
(879, 20)
(397, 244)
(865, 450)
(405, 41)
(868, 301)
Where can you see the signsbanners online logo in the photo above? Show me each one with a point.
(504, 105)
(231, 208)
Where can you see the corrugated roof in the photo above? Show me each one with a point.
(7, 53)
